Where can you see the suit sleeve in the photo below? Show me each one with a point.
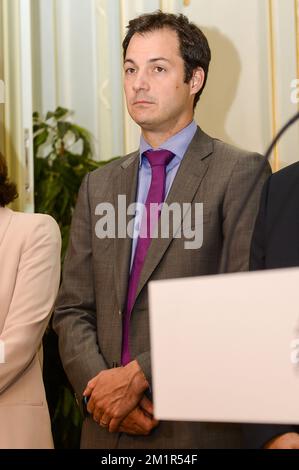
(144, 361)
(75, 319)
(34, 294)
(241, 179)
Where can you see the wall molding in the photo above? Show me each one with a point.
(273, 73)
(18, 99)
(284, 64)
(2, 92)
(296, 9)
(12, 106)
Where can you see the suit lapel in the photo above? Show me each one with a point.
(5, 218)
(125, 185)
(187, 181)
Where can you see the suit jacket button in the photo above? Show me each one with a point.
(120, 313)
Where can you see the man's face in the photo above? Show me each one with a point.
(157, 97)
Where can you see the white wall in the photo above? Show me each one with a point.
(109, 98)
(76, 54)
(65, 50)
(78, 47)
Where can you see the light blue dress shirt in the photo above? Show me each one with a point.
(176, 144)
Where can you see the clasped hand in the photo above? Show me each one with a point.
(117, 401)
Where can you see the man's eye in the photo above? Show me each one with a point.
(129, 71)
(159, 69)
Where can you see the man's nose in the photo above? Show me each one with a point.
(141, 81)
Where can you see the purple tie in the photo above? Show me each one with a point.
(158, 160)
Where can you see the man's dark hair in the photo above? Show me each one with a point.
(194, 46)
(8, 190)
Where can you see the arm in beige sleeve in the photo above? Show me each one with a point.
(34, 294)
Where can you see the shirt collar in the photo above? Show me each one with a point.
(176, 144)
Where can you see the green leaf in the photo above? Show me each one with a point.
(40, 139)
(61, 112)
(63, 127)
(49, 115)
(73, 159)
(58, 114)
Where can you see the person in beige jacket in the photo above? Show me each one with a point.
(29, 279)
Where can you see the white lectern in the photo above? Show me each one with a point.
(225, 348)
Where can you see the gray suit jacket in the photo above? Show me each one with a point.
(88, 317)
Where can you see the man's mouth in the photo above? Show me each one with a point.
(142, 102)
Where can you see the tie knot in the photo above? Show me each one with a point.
(159, 157)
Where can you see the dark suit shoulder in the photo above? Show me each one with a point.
(286, 176)
(283, 190)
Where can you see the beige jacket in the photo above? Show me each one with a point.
(29, 278)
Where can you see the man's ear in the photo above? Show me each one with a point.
(197, 80)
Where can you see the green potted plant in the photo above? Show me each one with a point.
(62, 156)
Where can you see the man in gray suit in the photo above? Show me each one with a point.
(101, 314)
